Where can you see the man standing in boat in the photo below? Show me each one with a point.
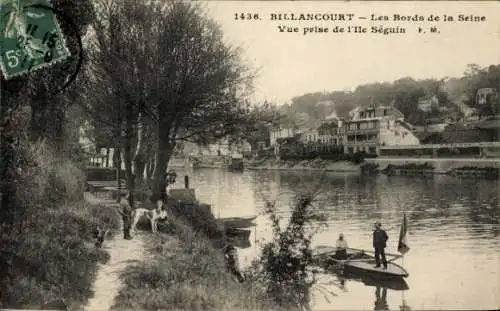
(380, 238)
(341, 251)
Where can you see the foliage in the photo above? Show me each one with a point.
(405, 94)
(166, 68)
(284, 267)
(26, 104)
(476, 77)
(256, 129)
(51, 250)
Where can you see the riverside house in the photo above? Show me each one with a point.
(372, 127)
(278, 133)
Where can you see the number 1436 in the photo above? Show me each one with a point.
(246, 16)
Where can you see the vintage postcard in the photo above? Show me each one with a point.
(249, 155)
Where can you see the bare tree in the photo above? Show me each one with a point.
(172, 75)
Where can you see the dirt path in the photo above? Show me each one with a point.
(123, 253)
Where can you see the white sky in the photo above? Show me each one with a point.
(292, 64)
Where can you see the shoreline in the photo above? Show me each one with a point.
(462, 167)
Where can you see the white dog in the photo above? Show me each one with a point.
(153, 215)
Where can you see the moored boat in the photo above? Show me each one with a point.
(238, 233)
(237, 222)
(236, 163)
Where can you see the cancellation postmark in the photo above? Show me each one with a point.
(30, 37)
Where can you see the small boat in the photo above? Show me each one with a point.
(236, 163)
(362, 261)
(238, 233)
(359, 260)
(238, 222)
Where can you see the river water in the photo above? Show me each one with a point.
(453, 231)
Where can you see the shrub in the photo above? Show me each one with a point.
(358, 157)
(52, 248)
(284, 267)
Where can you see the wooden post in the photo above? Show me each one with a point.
(186, 182)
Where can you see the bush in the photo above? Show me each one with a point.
(284, 267)
(48, 179)
(358, 157)
(52, 249)
(200, 219)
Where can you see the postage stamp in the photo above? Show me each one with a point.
(30, 37)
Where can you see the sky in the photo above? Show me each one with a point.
(291, 64)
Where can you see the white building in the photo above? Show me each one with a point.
(309, 136)
(281, 133)
(372, 127)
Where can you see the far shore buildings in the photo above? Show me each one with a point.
(367, 130)
(373, 127)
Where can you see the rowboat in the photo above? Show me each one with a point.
(238, 233)
(360, 261)
(239, 237)
(363, 261)
(238, 222)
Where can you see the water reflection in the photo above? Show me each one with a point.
(381, 299)
(453, 229)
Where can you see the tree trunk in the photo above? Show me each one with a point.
(128, 153)
(116, 157)
(139, 161)
(152, 167)
(8, 190)
(165, 149)
(107, 156)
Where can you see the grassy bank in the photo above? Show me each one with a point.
(185, 268)
(52, 251)
(184, 272)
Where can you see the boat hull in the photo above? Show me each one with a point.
(238, 233)
(393, 270)
(238, 222)
(360, 262)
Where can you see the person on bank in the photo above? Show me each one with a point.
(341, 251)
(125, 210)
(380, 238)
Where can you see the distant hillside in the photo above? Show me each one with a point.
(419, 100)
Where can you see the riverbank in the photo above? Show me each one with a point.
(309, 165)
(184, 272)
(185, 268)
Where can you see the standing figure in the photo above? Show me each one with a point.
(341, 251)
(380, 238)
(126, 212)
